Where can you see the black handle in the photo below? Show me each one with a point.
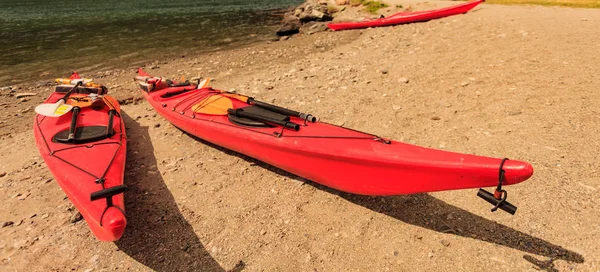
(241, 113)
(107, 193)
(281, 110)
(109, 128)
(489, 197)
(64, 98)
(73, 124)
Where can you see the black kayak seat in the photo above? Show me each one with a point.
(82, 135)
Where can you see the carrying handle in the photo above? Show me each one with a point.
(498, 198)
(108, 193)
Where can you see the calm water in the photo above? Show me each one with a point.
(43, 39)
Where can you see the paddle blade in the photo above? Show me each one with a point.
(53, 110)
(204, 83)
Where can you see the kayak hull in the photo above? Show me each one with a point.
(337, 157)
(82, 169)
(408, 17)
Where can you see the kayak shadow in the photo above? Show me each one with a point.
(426, 211)
(157, 234)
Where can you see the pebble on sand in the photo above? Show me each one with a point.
(21, 95)
(2, 174)
(403, 80)
(76, 217)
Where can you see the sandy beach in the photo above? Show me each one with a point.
(502, 81)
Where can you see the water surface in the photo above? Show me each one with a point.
(43, 39)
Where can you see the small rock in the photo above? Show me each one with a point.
(445, 243)
(385, 72)
(430, 254)
(21, 95)
(396, 253)
(76, 217)
(44, 216)
(263, 232)
(465, 83)
(2, 174)
(7, 223)
(403, 80)
(435, 118)
(341, 2)
(157, 125)
(284, 38)
(313, 27)
(513, 113)
(396, 107)
(291, 25)
(94, 259)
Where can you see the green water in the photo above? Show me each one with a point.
(44, 39)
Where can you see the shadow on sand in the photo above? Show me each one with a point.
(157, 234)
(431, 213)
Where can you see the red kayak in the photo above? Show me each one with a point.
(82, 140)
(337, 157)
(408, 17)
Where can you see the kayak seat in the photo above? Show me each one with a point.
(258, 111)
(82, 135)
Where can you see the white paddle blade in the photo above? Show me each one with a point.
(204, 83)
(53, 110)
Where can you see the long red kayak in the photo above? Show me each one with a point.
(341, 158)
(83, 144)
(408, 17)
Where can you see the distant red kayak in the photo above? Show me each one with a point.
(87, 161)
(338, 157)
(408, 17)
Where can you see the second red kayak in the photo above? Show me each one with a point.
(82, 140)
(408, 17)
(337, 157)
